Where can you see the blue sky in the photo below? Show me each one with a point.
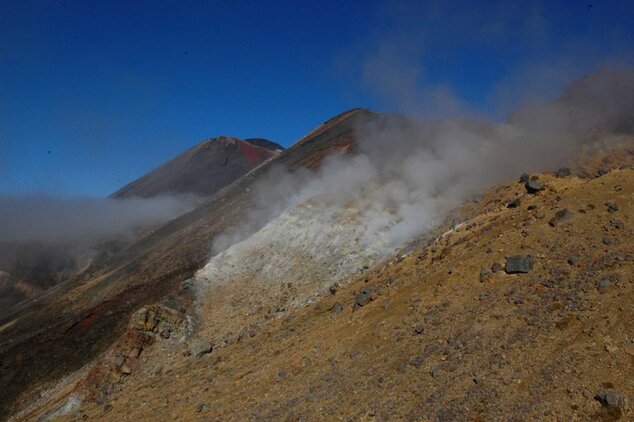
(95, 93)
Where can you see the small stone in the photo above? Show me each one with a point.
(201, 348)
(484, 296)
(200, 407)
(573, 260)
(484, 276)
(563, 172)
(158, 370)
(611, 400)
(561, 216)
(418, 329)
(416, 361)
(187, 284)
(336, 308)
(281, 374)
(125, 369)
(518, 264)
(495, 267)
(434, 371)
(326, 377)
(100, 399)
(607, 241)
(612, 207)
(524, 178)
(513, 203)
(533, 186)
(532, 207)
(119, 361)
(364, 297)
(604, 284)
(333, 289)
(602, 171)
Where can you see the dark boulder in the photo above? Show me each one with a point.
(518, 264)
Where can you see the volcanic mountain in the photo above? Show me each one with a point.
(378, 269)
(30, 267)
(203, 169)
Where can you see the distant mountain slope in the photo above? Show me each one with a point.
(203, 169)
(608, 91)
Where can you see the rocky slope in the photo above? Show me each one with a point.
(518, 305)
(80, 319)
(522, 311)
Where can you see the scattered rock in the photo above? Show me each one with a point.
(484, 296)
(364, 297)
(416, 361)
(611, 400)
(561, 216)
(187, 284)
(513, 203)
(484, 275)
(612, 207)
(201, 348)
(533, 186)
(604, 284)
(563, 172)
(495, 267)
(326, 377)
(518, 264)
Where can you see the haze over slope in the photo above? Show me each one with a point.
(45, 240)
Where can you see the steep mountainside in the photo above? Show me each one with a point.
(521, 311)
(203, 169)
(513, 304)
(80, 319)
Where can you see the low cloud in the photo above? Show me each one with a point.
(46, 219)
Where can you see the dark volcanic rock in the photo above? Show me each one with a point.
(364, 297)
(563, 172)
(518, 264)
(561, 216)
(533, 186)
(611, 400)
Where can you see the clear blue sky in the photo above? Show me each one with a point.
(95, 93)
